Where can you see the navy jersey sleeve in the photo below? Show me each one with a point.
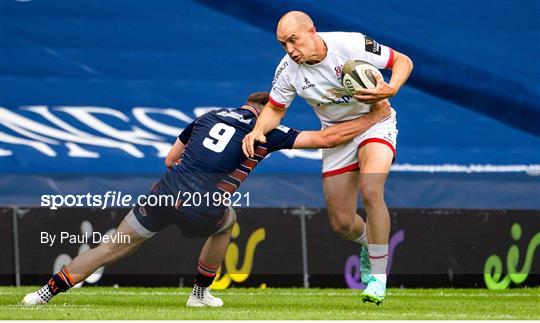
(186, 134)
(281, 138)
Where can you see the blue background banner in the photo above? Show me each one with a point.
(92, 94)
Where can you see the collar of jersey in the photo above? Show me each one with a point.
(250, 108)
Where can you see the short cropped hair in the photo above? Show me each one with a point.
(258, 98)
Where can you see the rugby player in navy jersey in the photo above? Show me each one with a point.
(206, 158)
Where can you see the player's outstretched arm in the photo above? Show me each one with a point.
(401, 69)
(269, 119)
(343, 132)
(174, 154)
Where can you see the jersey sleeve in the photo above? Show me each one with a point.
(283, 92)
(362, 47)
(186, 133)
(281, 138)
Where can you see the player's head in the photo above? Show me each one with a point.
(258, 100)
(298, 36)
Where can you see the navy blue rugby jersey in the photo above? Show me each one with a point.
(213, 155)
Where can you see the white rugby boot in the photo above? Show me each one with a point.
(201, 297)
(40, 297)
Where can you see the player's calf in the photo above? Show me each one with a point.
(344, 225)
(211, 257)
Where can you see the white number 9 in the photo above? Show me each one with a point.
(220, 135)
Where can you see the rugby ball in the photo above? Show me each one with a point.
(357, 75)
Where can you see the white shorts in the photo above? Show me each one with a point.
(344, 158)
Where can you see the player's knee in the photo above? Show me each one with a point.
(341, 227)
(230, 220)
(372, 195)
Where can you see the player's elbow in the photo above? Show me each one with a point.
(411, 65)
(404, 59)
(169, 161)
(409, 61)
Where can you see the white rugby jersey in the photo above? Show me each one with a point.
(320, 84)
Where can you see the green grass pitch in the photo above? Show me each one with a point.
(275, 303)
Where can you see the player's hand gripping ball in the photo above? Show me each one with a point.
(357, 75)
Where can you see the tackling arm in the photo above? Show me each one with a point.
(174, 154)
(269, 119)
(343, 132)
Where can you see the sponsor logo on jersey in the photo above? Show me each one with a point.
(372, 46)
(283, 128)
(234, 115)
(335, 93)
(336, 96)
(142, 210)
(308, 84)
(279, 71)
(390, 137)
(338, 70)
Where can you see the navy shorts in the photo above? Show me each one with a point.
(194, 221)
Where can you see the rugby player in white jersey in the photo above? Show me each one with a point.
(312, 69)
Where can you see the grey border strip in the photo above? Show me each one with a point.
(15, 227)
(304, 246)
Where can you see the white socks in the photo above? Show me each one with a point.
(44, 293)
(378, 256)
(362, 239)
(198, 291)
